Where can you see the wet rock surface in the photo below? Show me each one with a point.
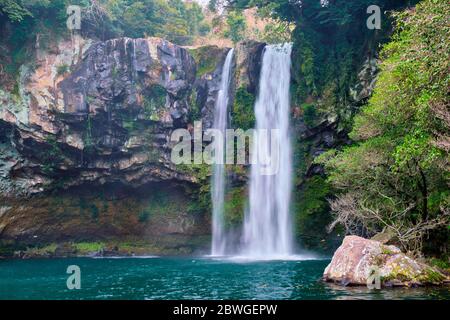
(357, 258)
(101, 112)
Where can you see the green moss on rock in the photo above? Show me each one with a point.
(154, 101)
(243, 115)
(309, 114)
(235, 201)
(207, 59)
(88, 247)
(311, 214)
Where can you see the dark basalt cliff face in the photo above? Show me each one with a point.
(92, 121)
(108, 119)
(108, 115)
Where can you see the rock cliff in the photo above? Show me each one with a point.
(92, 118)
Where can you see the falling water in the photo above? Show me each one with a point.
(218, 179)
(267, 230)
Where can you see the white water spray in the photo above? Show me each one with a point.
(267, 230)
(218, 247)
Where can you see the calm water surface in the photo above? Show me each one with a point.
(184, 278)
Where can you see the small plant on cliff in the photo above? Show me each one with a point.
(243, 116)
(309, 114)
(195, 113)
(52, 156)
(143, 216)
(234, 207)
(87, 137)
(62, 69)
(154, 101)
(236, 26)
(206, 58)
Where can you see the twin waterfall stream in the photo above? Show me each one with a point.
(218, 184)
(266, 232)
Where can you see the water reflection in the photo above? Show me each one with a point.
(363, 293)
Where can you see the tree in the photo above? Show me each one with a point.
(396, 176)
(212, 6)
(276, 32)
(236, 26)
(14, 10)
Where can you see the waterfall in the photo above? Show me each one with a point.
(267, 230)
(218, 179)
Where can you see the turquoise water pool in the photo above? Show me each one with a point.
(184, 278)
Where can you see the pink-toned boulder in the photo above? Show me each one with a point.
(357, 258)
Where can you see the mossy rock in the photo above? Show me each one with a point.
(358, 258)
(207, 58)
(234, 206)
(243, 115)
(154, 102)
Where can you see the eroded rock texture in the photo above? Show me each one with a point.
(101, 113)
(357, 258)
(90, 118)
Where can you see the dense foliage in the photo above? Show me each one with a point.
(29, 24)
(175, 20)
(236, 26)
(26, 24)
(330, 41)
(395, 178)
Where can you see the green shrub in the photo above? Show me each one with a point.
(143, 216)
(207, 59)
(234, 206)
(94, 211)
(243, 115)
(309, 114)
(62, 69)
(88, 247)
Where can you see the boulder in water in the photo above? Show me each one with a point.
(354, 261)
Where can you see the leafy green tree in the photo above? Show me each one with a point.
(276, 32)
(236, 26)
(396, 177)
(14, 10)
(174, 20)
(212, 5)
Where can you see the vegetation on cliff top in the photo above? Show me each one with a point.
(28, 23)
(174, 20)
